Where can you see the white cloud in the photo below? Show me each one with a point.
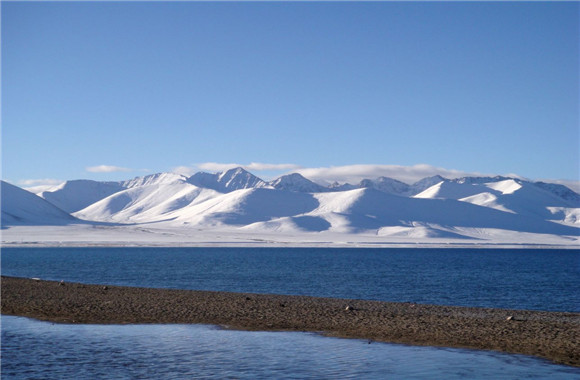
(261, 166)
(216, 166)
(185, 170)
(107, 169)
(355, 173)
(39, 185)
(253, 166)
(40, 182)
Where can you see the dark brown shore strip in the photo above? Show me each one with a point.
(551, 335)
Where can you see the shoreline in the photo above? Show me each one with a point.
(550, 335)
(270, 244)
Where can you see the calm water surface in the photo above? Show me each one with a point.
(41, 350)
(515, 279)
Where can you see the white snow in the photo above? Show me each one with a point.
(236, 207)
(20, 207)
(296, 182)
(230, 180)
(154, 179)
(509, 186)
(72, 196)
(509, 195)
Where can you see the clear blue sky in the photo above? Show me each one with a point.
(487, 87)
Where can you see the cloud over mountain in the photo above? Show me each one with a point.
(107, 169)
(40, 182)
(356, 173)
(253, 166)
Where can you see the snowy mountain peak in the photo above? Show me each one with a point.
(233, 172)
(425, 183)
(228, 181)
(480, 180)
(296, 182)
(154, 179)
(238, 178)
(335, 186)
(75, 195)
(430, 181)
(386, 185)
(508, 186)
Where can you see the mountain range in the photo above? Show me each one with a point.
(434, 207)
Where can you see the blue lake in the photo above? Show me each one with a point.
(520, 279)
(501, 278)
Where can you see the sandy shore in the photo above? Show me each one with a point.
(550, 335)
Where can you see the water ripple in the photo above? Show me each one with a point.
(32, 349)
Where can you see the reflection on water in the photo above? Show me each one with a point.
(32, 349)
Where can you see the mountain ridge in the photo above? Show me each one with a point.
(239, 178)
(463, 208)
(20, 207)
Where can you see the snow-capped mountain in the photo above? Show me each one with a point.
(153, 179)
(464, 208)
(354, 211)
(424, 184)
(335, 186)
(504, 194)
(560, 190)
(375, 210)
(148, 203)
(386, 185)
(75, 195)
(479, 180)
(20, 207)
(296, 182)
(390, 185)
(72, 196)
(225, 182)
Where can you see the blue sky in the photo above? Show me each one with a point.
(112, 90)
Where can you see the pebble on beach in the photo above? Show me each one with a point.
(552, 335)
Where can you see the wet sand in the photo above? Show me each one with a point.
(551, 335)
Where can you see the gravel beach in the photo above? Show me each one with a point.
(551, 335)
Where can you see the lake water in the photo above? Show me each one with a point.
(521, 279)
(42, 350)
(501, 278)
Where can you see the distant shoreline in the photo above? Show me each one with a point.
(225, 244)
(551, 335)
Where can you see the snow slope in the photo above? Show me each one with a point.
(386, 185)
(424, 184)
(75, 195)
(153, 179)
(20, 207)
(510, 195)
(146, 204)
(225, 182)
(237, 202)
(369, 209)
(246, 206)
(296, 182)
(354, 211)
